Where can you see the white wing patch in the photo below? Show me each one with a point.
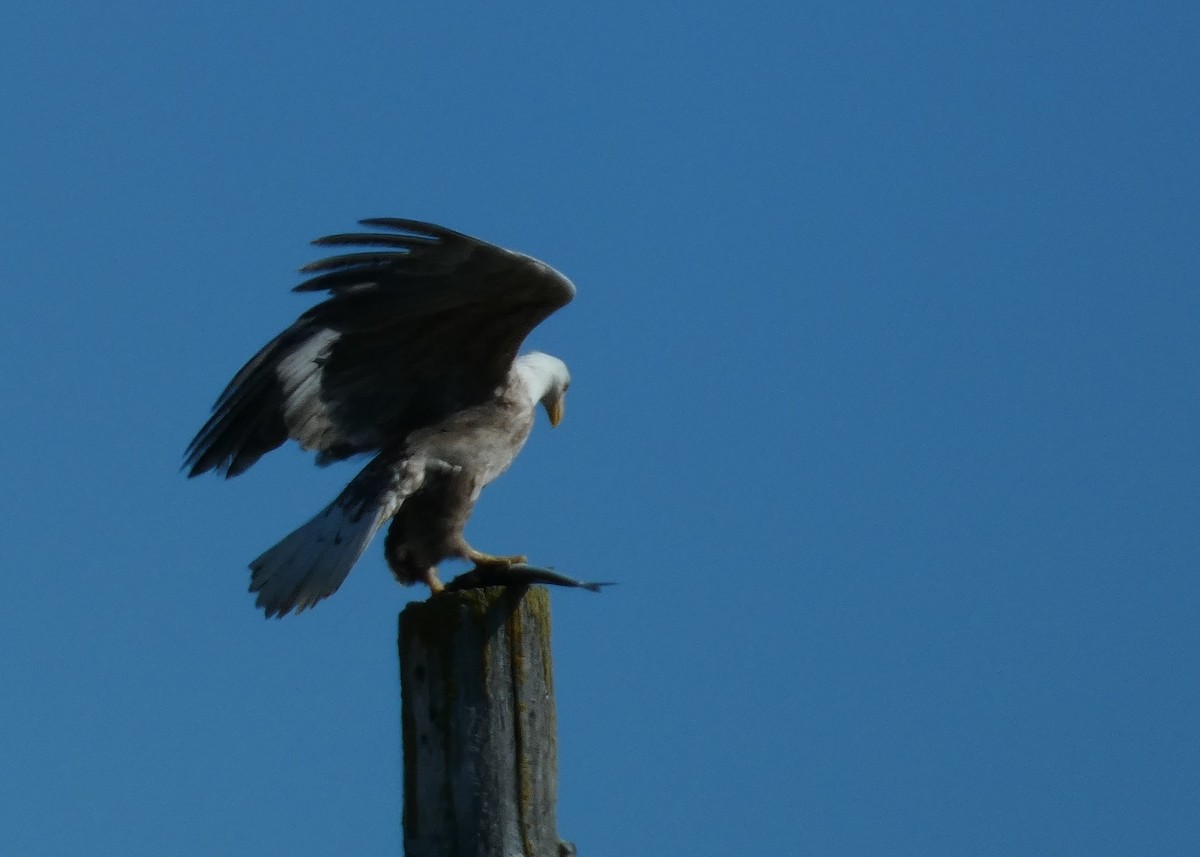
(300, 376)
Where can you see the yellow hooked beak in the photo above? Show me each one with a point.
(554, 409)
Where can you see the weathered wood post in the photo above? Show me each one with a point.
(477, 712)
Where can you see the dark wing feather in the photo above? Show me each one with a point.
(410, 333)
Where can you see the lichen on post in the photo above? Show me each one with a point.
(478, 725)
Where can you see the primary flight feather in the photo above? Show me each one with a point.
(412, 357)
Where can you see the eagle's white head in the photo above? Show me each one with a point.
(546, 378)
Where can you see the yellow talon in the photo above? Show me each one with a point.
(487, 559)
(431, 578)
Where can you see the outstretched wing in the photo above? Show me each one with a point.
(419, 324)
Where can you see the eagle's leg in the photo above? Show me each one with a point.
(480, 558)
(431, 579)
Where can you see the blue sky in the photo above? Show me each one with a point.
(885, 415)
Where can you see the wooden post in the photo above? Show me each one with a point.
(477, 700)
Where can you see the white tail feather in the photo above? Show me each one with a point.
(311, 563)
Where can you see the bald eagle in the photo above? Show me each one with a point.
(412, 358)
